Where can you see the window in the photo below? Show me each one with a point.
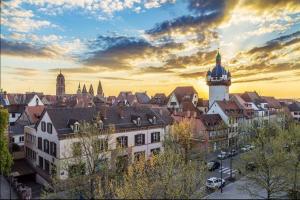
(154, 120)
(40, 143)
(12, 139)
(21, 138)
(41, 162)
(53, 149)
(173, 103)
(13, 115)
(76, 149)
(76, 170)
(47, 166)
(46, 146)
(53, 169)
(122, 141)
(43, 126)
(76, 127)
(100, 145)
(139, 139)
(138, 122)
(49, 128)
(155, 151)
(155, 137)
(139, 156)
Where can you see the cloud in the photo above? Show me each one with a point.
(24, 49)
(22, 71)
(255, 80)
(193, 75)
(207, 13)
(119, 78)
(154, 70)
(19, 19)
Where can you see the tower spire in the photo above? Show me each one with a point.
(99, 89)
(218, 58)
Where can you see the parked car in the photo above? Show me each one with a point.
(213, 165)
(232, 153)
(251, 166)
(214, 183)
(222, 155)
(245, 148)
(251, 147)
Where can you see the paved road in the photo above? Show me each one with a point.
(5, 190)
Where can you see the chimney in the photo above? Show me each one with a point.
(121, 112)
(188, 113)
(195, 114)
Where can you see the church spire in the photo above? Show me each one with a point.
(91, 90)
(79, 89)
(84, 91)
(218, 58)
(99, 89)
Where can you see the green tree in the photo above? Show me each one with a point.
(290, 140)
(181, 134)
(5, 156)
(269, 159)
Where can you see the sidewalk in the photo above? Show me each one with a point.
(5, 190)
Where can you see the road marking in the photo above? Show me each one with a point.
(226, 170)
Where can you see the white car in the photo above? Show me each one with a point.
(214, 183)
(246, 148)
(222, 155)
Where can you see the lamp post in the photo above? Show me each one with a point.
(221, 175)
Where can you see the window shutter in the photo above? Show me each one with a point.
(152, 137)
(158, 133)
(136, 139)
(126, 141)
(143, 138)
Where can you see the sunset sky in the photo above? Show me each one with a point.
(150, 45)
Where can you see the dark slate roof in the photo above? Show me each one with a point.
(211, 121)
(142, 97)
(218, 71)
(294, 107)
(159, 99)
(120, 116)
(18, 127)
(60, 117)
(182, 93)
(16, 108)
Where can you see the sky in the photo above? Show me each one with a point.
(150, 45)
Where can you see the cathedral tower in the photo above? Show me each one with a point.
(60, 84)
(218, 81)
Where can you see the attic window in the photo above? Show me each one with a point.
(138, 121)
(76, 127)
(154, 120)
(100, 124)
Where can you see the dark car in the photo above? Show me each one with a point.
(251, 166)
(232, 153)
(213, 165)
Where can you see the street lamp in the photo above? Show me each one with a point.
(221, 175)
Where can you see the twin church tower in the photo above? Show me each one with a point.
(60, 87)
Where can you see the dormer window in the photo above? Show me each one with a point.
(154, 120)
(100, 124)
(37, 101)
(138, 121)
(76, 127)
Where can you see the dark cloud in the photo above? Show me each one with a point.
(153, 70)
(197, 59)
(193, 75)
(114, 52)
(22, 71)
(26, 49)
(255, 80)
(206, 13)
(119, 79)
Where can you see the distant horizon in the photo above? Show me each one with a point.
(150, 45)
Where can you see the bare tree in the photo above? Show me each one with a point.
(87, 162)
